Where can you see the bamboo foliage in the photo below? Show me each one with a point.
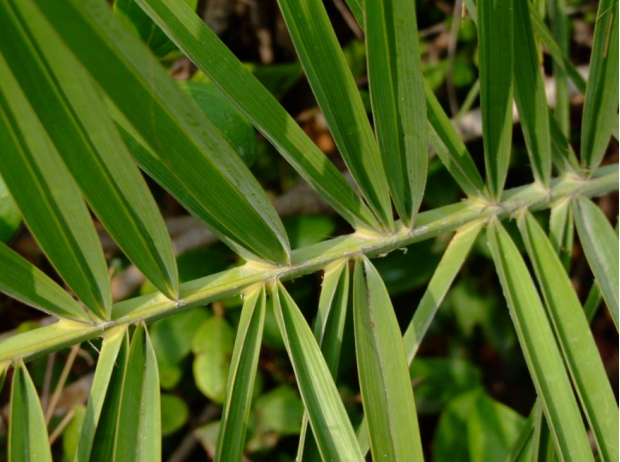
(85, 107)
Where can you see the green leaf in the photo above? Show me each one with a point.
(386, 389)
(339, 99)
(4, 367)
(562, 154)
(23, 281)
(573, 332)
(109, 364)
(328, 418)
(28, 439)
(495, 37)
(530, 94)
(48, 196)
(10, 218)
(398, 101)
(185, 152)
(560, 28)
(601, 104)
(241, 378)
(212, 57)
(561, 231)
(139, 419)
(280, 411)
(70, 108)
(71, 434)
(213, 345)
(600, 245)
(539, 347)
(328, 331)
(147, 30)
(450, 148)
(235, 127)
(174, 414)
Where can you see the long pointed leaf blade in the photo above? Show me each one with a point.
(139, 421)
(560, 28)
(231, 434)
(330, 423)
(600, 244)
(339, 99)
(601, 103)
(23, 281)
(48, 197)
(328, 331)
(212, 57)
(495, 39)
(574, 336)
(28, 439)
(106, 365)
(387, 393)
(189, 156)
(539, 347)
(76, 119)
(398, 101)
(562, 231)
(530, 94)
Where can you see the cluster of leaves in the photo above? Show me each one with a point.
(85, 104)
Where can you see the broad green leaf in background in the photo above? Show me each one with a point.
(279, 411)
(108, 364)
(530, 94)
(212, 346)
(601, 104)
(174, 414)
(225, 116)
(69, 106)
(397, 94)
(328, 418)
(386, 389)
(139, 420)
(495, 39)
(600, 244)
(240, 387)
(23, 281)
(560, 28)
(148, 31)
(539, 347)
(339, 99)
(213, 58)
(48, 197)
(562, 230)
(574, 336)
(28, 439)
(10, 218)
(328, 331)
(186, 153)
(450, 148)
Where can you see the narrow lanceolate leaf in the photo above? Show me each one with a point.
(600, 244)
(328, 331)
(23, 281)
(4, 367)
(28, 439)
(76, 119)
(139, 420)
(213, 58)
(107, 363)
(530, 94)
(539, 347)
(387, 393)
(451, 149)
(601, 103)
(231, 435)
(562, 154)
(339, 99)
(495, 39)
(188, 155)
(328, 417)
(439, 285)
(398, 101)
(575, 338)
(561, 231)
(102, 448)
(48, 197)
(560, 28)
